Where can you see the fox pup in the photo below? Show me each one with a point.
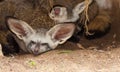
(40, 40)
(99, 19)
(22, 9)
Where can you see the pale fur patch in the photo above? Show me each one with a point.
(106, 4)
(1, 53)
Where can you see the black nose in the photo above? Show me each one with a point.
(36, 51)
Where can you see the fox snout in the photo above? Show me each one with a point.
(36, 51)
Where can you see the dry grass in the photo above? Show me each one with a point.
(87, 17)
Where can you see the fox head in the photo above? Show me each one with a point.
(60, 14)
(37, 41)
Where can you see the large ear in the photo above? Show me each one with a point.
(61, 32)
(79, 8)
(18, 27)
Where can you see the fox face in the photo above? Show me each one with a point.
(60, 14)
(37, 41)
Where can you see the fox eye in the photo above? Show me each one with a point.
(44, 44)
(33, 42)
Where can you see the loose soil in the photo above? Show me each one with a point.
(64, 60)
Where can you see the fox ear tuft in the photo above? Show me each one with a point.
(18, 27)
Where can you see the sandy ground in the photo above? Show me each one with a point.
(70, 59)
(62, 60)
